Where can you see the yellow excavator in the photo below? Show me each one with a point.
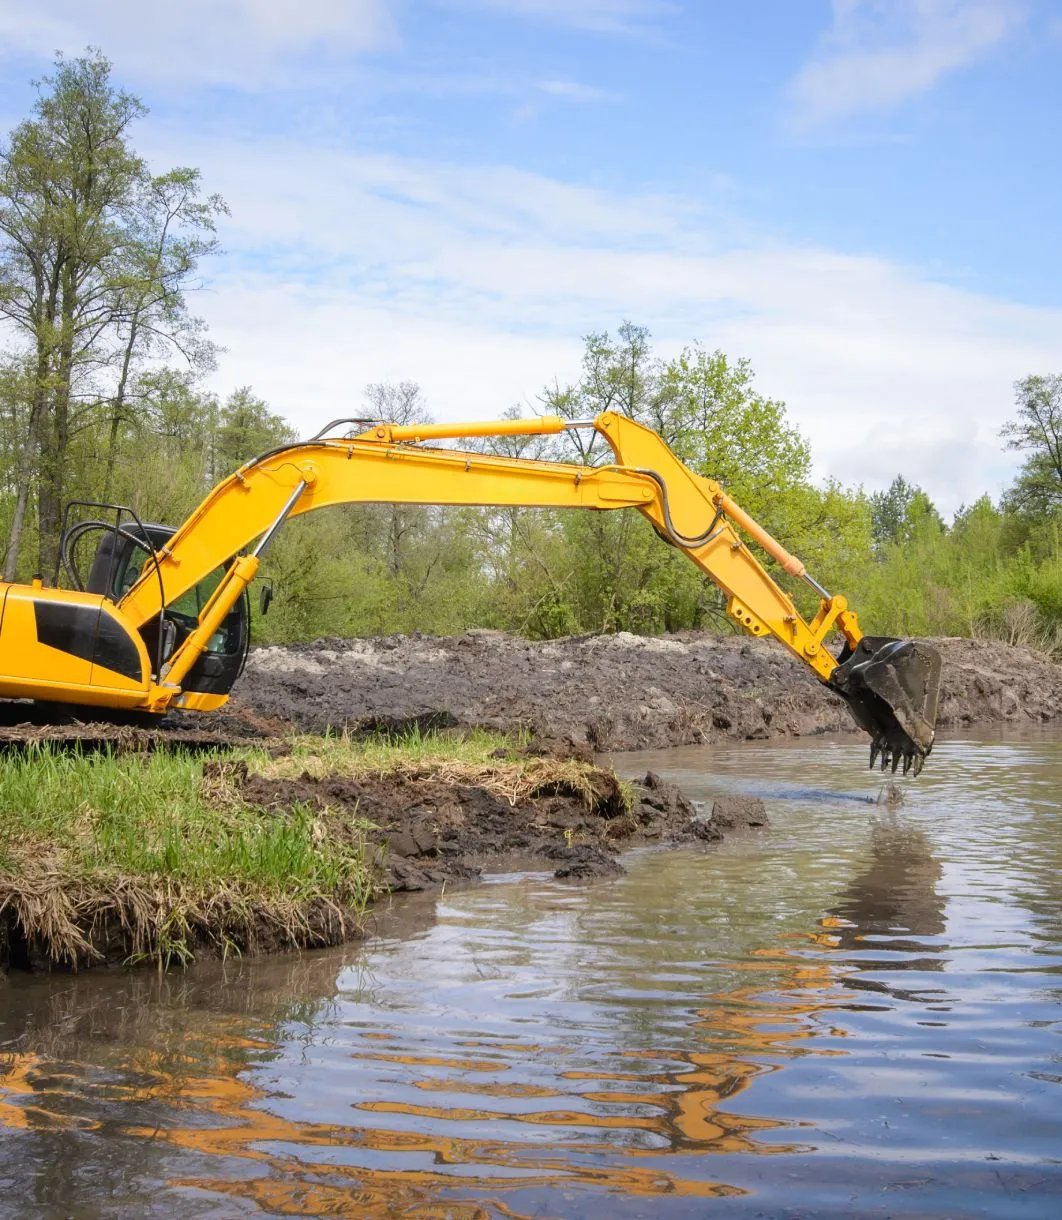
(161, 619)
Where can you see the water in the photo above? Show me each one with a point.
(856, 1013)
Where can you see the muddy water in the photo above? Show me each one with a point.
(858, 1012)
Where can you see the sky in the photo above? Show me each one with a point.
(861, 197)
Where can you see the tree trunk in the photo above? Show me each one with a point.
(119, 407)
(49, 497)
(53, 468)
(25, 478)
(39, 401)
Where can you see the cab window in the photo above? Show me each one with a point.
(187, 608)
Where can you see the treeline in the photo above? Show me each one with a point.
(102, 367)
(995, 570)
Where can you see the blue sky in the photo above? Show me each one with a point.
(860, 196)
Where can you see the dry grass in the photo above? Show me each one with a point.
(49, 917)
(340, 754)
(481, 760)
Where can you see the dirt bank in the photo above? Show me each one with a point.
(424, 828)
(614, 692)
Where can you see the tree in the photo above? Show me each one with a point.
(618, 374)
(707, 409)
(901, 513)
(245, 428)
(716, 422)
(1037, 431)
(171, 228)
(399, 402)
(95, 255)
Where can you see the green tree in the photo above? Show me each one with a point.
(707, 409)
(245, 428)
(171, 230)
(1037, 432)
(712, 417)
(95, 255)
(901, 512)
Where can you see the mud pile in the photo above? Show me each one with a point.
(429, 829)
(611, 692)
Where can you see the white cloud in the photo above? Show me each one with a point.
(606, 15)
(478, 283)
(244, 42)
(879, 53)
(574, 91)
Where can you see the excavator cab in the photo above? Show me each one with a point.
(124, 552)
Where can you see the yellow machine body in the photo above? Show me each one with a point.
(63, 646)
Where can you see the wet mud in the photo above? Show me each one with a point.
(424, 831)
(614, 692)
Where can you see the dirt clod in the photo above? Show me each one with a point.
(735, 812)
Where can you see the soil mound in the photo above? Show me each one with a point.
(424, 830)
(614, 692)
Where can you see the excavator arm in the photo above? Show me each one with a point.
(891, 686)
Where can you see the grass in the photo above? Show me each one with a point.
(481, 759)
(151, 815)
(156, 857)
(344, 755)
(134, 855)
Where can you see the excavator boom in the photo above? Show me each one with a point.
(143, 646)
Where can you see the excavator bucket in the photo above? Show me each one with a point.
(892, 688)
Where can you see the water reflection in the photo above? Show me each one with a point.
(891, 915)
(853, 1012)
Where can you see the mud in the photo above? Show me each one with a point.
(424, 831)
(615, 692)
(733, 812)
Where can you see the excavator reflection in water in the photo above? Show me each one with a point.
(160, 619)
(894, 904)
(190, 1105)
(184, 1103)
(199, 1083)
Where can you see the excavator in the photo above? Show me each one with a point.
(160, 621)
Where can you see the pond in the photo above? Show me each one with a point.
(857, 1012)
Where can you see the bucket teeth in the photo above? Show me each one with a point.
(892, 688)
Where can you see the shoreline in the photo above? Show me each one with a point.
(153, 854)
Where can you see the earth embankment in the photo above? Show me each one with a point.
(611, 692)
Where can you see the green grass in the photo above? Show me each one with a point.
(152, 814)
(148, 815)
